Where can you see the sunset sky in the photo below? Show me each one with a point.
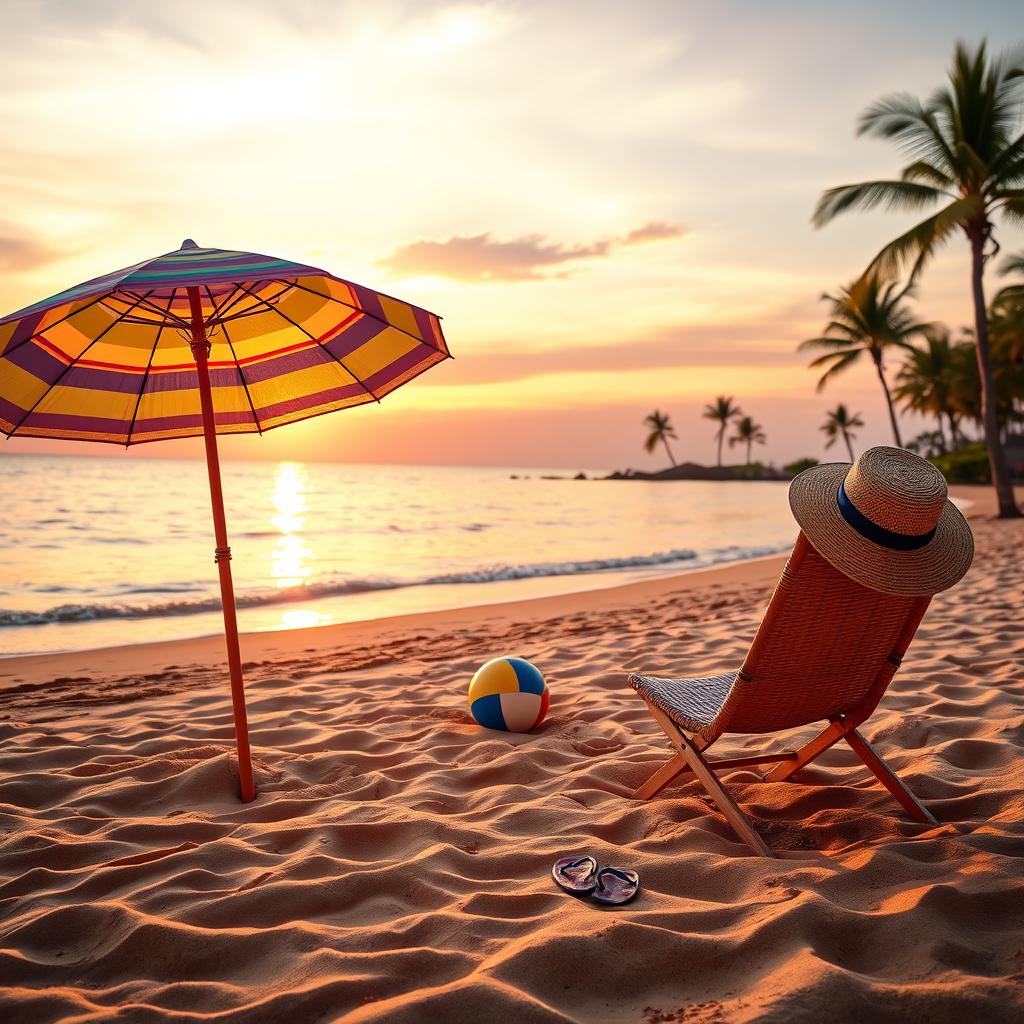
(608, 203)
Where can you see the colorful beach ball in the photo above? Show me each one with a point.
(509, 694)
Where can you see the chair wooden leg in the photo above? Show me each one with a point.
(807, 753)
(889, 779)
(673, 767)
(690, 750)
(726, 804)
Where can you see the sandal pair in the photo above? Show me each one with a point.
(583, 876)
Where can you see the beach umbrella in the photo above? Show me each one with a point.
(206, 341)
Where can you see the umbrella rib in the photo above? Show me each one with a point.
(165, 314)
(145, 376)
(62, 374)
(365, 312)
(67, 316)
(234, 355)
(246, 311)
(233, 298)
(323, 348)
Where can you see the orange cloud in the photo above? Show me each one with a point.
(654, 231)
(485, 258)
(20, 252)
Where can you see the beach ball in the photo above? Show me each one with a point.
(508, 694)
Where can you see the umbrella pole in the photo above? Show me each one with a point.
(222, 556)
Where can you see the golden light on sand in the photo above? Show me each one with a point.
(290, 558)
(300, 618)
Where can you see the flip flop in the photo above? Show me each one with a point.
(615, 886)
(576, 874)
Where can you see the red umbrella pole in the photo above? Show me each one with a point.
(222, 555)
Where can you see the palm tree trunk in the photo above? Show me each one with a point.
(721, 438)
(942, 433)
(989, 417)
(849, 447)
(750, 444)
(664, 441)
(954, 440)
(877, 357)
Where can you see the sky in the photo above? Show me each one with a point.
(609, 204)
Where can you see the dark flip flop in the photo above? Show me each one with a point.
(576, 874)
(615, 886)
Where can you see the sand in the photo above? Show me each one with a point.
(395, 865)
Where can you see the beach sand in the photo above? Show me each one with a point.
(395, 866)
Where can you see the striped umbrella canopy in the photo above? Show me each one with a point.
(109, 360)
(206, 341)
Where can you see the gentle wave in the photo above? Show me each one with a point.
(193, 606)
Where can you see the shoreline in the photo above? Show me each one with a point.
(208, 650)
(82, 666)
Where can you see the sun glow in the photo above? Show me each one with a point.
(301, 618)
(290, 558)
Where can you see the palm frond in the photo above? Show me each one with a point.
(1012, 293)
(829, 357)
(866, 195)
(1013, 264)
(1011, 205)
(924, 238)
(1008, 167)
(841, 364)
(913, 127)
(826, 342)
(929, 174)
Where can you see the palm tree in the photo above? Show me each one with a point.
(749, 433)
(1012, 265)
(868, 317)
(1006, 314)
(660, 429)
(927, 381)
(966, 151)
(1007, 376)
(722, 410)
(840, 423)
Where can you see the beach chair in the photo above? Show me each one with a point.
(826, 650)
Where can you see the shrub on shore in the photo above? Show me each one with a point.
(969, 465)
(797, 467)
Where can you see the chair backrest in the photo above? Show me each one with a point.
(826, 646)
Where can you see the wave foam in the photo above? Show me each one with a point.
(339, 588)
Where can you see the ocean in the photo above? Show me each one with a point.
(99, 551)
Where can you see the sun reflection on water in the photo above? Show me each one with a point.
(290, 560)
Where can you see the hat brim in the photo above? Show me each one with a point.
(936, 566)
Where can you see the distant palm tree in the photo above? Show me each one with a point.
(722, 410)
(868, 317)
(1006, 314)
(749, 433)
(927, 381)
(966, 151)
(660, 429)
(1007, 375)
(1012, 265)
(840, 423)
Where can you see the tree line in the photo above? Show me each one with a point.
(965, 152)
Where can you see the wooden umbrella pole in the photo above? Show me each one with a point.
(222, 555)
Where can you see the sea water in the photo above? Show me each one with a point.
(97, 551)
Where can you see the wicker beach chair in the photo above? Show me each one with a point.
(826, 650)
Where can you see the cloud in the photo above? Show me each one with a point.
(529, 258)
(18, 252)
(654, 231)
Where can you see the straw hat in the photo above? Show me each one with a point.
(885, 522)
